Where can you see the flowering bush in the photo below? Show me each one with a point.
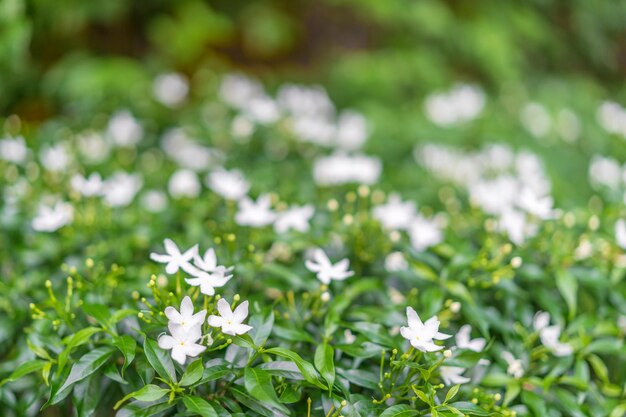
(200, 243)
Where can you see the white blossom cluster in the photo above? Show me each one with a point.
(462, 103)
(511, 186)
(612, 118)
(540, 123)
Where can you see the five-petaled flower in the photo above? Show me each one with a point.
(208, 275)
(327, 271)
(421, 335)
(185, 318)
(174, 258)
(182, 343)
(230, 321)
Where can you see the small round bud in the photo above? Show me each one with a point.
(89, 263)
(474, 401)
(332, 204)
(447, 353)
(140, 315)
(229, 341)
(48, 283)
(497, 397)
(344, 403)
(516, 262)
(325, 297)
(237, 297)
(455, 307)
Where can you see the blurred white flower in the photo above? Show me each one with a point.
(295, 218)
(536, 119)
(175, 259)
(186, 317)
(325, 270)
(550, 335)
(620, 233)
(451, 375)
(154, 201)
(568, 125)
(182, 343)
(395, 214)
(13, 149)
(230, 321)
(255, 213)
(124, 129)
(514, 223)
(87, 187)
(262, 109)
(93, 147)
(535, 204)
(188, 153)
(605, 172)
(231, 185)
(170, 89)
(464, 341)
(299, 100)
(52, 218)
(515, 367)
(121, 188)
(184, 183)
(424, 233)
(461, 104)
(55, 158)
(238, 90)
(241, 127)
(340, 169)
(612, 117)
(395, 262)
(351, 131)
(421, 335)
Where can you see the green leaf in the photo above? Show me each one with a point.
(86, 365)
(99, 312)
(619, 411)
(148, 393)
(160, 360)
(199, 406)
(400, 410)
(258, 383)
(306, 368)
(535, 402)
(599, 368)
(451, 393)
(568, 287)
(325, 364)
(193, 373)
(244, 341)
(24, 369)
(212, 373)
(290, 395)
(262, 328)
(77, 339)
(246, 399)
(128, 346)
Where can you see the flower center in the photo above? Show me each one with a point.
(229, 322)
(182, 343)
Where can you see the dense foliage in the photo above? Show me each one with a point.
(439, 230)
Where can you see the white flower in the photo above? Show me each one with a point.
(340, 169)
(535, 204)
(182, 343)
(620, 233)
(93, 147)
(295, 218)
(51, 218)
(515, 368)
(123, 129)
(612, 117)
(187, 152)
(463, 340)
(121, 188)
(170, 89)
(154, 201)
(209, 275)
(174, 259)
(516, 226)
(55, 158)
(327, 271)
(550, 339)
(421, 335)
(536, 119)
(451, 375)
(255, 213)
(231, 185)
(230, 321)
(184, 183)
(605, 172)
(550, 335)
(351, 130)
(185, 318)
(395, 214)
(461, 104)
(262, 109)
(13, 150)
(237, 90)
(424, 233)
(395, 262)
(88, 187)
(241, 127)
